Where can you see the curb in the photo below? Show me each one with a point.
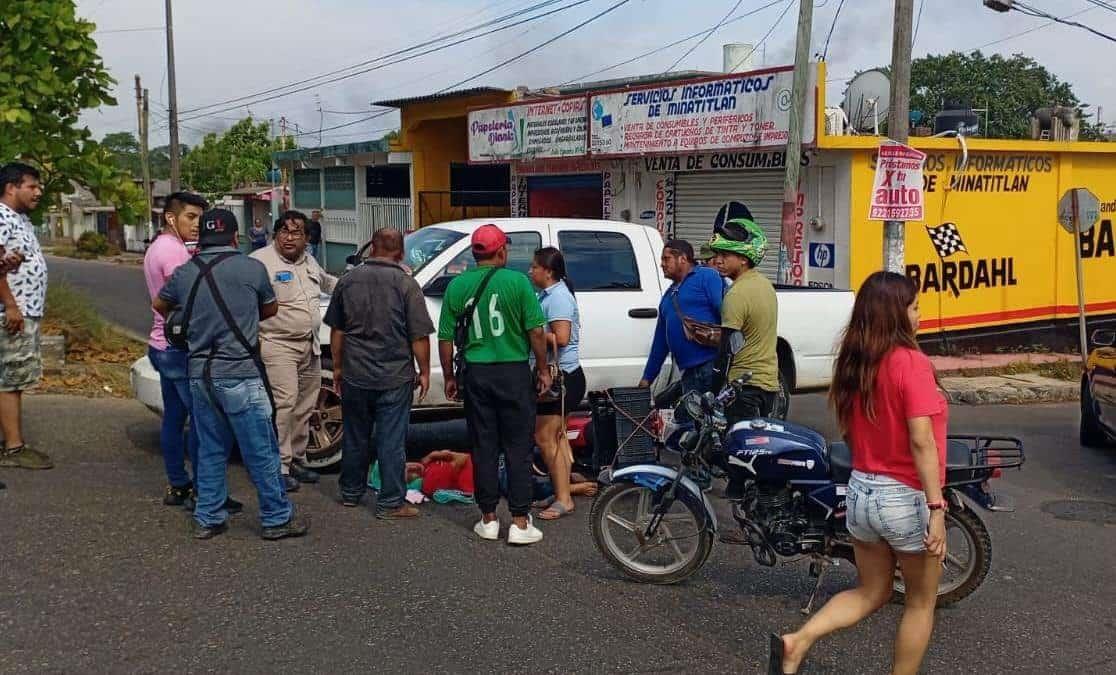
(1009, 389)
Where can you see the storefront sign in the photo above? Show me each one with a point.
(547, 128)
(722, 161)
(897, 189)
(743, 110)
(606, 195)
(664, 205)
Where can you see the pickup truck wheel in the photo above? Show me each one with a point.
(1092, 434)
(323, 450)
(782, 399)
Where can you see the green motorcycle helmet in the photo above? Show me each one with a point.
(742, 237)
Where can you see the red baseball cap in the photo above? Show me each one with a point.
(488, 239)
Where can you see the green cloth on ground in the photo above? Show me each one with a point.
(375, 483)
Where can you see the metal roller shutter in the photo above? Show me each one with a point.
(699, 196)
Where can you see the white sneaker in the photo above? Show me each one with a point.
(523, 536)
(489, 531)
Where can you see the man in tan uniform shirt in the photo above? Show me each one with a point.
(289, 340)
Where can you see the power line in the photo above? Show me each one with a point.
(766, 35)
(665, 47)
(1029, 30)
(708, 33)
(399, 52)
(918, 22)
(503, 63)
(1102, 5)
(129, 30)
(836, 15)
(1031, 11)
(537, 47)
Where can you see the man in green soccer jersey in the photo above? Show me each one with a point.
(493, 315)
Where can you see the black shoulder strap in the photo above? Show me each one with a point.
(471, 304)
(252, 351)
(203, 271)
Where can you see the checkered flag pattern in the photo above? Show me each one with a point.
(946, 239)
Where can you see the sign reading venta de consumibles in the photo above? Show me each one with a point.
(897, 188)
(743, 110)
(549, 128)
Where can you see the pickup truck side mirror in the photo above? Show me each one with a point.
(1104, 337)
(437, 287)
(352, 260)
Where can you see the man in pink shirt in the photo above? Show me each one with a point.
(163, 257)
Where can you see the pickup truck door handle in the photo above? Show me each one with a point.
(643, 313)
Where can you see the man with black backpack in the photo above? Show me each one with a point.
(492, 316)
(222, 295)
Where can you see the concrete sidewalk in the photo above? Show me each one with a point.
(987, 389)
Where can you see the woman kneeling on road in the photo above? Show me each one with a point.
(563, 327)
(894, 417)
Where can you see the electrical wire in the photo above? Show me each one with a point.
(918, 22)
(1102, 5)
(1031, 11)
(764, 38)
(128, 30)
(582, 78)
(1029, 30)
(705, 37)
(486, 71)
(836, 15)
(400, 52)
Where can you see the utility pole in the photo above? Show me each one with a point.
(898, 122)
(794, 140)
(141, 113)
(172, 101)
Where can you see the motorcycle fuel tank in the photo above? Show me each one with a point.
(777, 451)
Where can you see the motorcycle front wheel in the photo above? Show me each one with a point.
(679, 547)
(968, 558)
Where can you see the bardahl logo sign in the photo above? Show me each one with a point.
(960, 275)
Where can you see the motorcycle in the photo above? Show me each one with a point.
(787, 488)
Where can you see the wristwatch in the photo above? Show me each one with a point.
(942, 505)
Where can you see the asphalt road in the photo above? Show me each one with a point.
(118, 291)
(98, 576)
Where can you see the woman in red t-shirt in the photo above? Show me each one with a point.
(894, 417)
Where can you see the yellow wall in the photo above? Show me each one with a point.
(436, 135)
(1005, 211)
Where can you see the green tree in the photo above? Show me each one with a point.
(49, 72)
(1011, 88)
(238, 157)
(125, 151)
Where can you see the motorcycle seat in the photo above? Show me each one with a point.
(840, 462)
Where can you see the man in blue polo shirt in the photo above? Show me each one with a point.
(696, 293)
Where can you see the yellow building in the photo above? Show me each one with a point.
(433, 138)
(1008, 271)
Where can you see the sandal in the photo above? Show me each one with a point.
(543, 503)
(556, 508)
(775, 652)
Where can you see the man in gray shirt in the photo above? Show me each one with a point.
(381, 328)
(229, 397)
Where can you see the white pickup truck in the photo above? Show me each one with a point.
(614, 267)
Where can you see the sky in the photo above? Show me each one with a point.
(234, 48)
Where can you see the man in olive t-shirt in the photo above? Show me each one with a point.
(498, 391)
(750, 309)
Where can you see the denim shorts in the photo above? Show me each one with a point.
(882, 508)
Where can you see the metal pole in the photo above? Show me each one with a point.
(794, 136)
(148, 188)
(898, 120)
(1082, 330)
(172, 104)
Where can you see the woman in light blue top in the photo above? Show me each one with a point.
(563, 329)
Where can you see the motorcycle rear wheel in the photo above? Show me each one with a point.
(963, 572)
(620, 515)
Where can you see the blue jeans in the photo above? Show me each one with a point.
(243, 415)
(172, 365)
(699, 379)
(375, 426)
